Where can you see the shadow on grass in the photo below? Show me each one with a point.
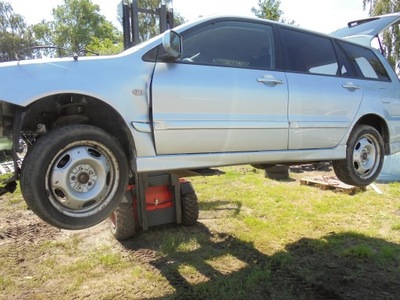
(200, 264)
(218, 208)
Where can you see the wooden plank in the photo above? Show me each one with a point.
(376, 189)
(331, 183)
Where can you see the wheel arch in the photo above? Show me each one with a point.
(62, 109)
(380, 125)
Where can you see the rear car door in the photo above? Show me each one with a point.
(224, 94)
(323, 97)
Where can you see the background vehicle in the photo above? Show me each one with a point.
(214, 92)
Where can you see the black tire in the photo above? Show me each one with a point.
(123, 222)
(74, 176)
(364, 157)
(190, 209)
(277, 172)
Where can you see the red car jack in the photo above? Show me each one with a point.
(155, 199)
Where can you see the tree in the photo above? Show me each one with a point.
(270, 9)
(391, 37)
(14, 32)
(43, 33)
(78, 25)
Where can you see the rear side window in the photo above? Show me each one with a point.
(367, 65)
(308, 53)
(230, 44)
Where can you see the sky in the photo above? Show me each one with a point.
(319, 15)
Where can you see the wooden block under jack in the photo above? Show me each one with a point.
(331, 183)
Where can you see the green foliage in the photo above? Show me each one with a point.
(105, 46)
(14, 32)
(77, 22)
(76, 25)
(43, 33)
(270, 10)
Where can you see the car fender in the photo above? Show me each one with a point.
(122, 82)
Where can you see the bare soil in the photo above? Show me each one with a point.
(314, 270)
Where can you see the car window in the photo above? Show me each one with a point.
(230, 44)
(366, 62)
(310, 53)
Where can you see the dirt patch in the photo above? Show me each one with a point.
(25, 229)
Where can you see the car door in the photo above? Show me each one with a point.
(223, 95)
(323, 98)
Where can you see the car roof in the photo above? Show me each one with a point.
(365, 30)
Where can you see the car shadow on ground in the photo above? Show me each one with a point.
(199, 264)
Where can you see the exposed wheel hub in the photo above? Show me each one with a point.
(365, 155)
(82, 178)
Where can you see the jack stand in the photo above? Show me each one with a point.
(155, 199)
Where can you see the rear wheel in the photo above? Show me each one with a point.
(364, 157)
(74, 176)
(123, 221)
(190, 209)
(277, 172)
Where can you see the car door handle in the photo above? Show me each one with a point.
(269, 80)
(350, 86)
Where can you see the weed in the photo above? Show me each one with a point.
(361, 251)
(5, 283)
(396, 226)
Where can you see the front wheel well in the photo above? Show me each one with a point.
(380, 125)
(66, 109)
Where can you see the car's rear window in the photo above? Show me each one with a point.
(366, 63)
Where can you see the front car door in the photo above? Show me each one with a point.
(224, 94)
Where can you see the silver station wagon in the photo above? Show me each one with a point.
(214, 92)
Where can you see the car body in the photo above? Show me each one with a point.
(217, 91)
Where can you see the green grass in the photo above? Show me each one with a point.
(289, 211)
(255, 238)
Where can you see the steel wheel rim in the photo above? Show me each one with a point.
(82, 178)
(366, 155)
